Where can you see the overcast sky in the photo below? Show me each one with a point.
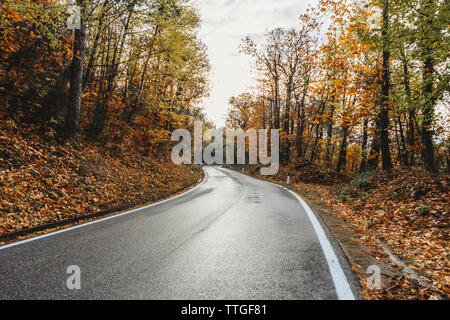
(224, 24)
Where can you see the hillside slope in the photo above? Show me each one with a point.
(44, 182)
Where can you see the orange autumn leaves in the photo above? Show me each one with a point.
(42, 182)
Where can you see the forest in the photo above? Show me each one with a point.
(355, 86)
(133, 71)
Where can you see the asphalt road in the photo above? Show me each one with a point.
(232, 237)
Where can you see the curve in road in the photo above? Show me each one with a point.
(232, 237)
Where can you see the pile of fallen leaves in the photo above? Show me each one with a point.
(44, 182)
(408, 211)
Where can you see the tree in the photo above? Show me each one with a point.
(72, 123)
(383, 117)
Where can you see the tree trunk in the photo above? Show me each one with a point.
(404, 150)
(428, 116)
(319, 132)
(384, 113)
(287, 118)
(328, 154)
(428, 82)
(364, 146)
(300, 129)
(342, 162)
(277, 104)
(374, 159)
(73, 116)
(410, 132)
(411, 137)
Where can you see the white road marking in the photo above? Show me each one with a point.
(341, 284)
(103, 219)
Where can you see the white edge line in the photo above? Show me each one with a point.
(103, 219)
(343, 290)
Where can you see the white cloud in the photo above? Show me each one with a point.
(224, 24)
